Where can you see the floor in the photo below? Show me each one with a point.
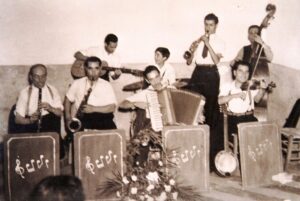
(230, 188)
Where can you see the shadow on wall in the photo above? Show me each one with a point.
(14, 78)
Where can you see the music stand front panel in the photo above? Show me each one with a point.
(28, 159)
(97, 156)
(188, 148)
(260, 152)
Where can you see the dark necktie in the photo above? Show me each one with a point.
(205, 51)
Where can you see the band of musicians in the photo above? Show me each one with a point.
(162, 99)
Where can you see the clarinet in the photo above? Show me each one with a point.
(39, 122)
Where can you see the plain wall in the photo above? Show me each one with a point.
(42, 31)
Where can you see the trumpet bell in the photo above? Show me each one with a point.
(75, 125)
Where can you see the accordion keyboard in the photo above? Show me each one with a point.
(154, 111)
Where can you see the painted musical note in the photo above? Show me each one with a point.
(100, 163)
(185, 156)
(40, 162)
(46, 163)
(193, 152)
(108, 157)
(175, 159)
(19, 170)
(88, 165)
(115, 158)
(251, 154)
(30, 169)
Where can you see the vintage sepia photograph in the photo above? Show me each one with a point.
(161, 100)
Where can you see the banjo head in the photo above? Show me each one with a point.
(226, 163)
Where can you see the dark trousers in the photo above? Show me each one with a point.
(205, 80)
(233, 121)
(50, 123)
(99, 121)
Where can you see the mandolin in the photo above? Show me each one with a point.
(77, 69)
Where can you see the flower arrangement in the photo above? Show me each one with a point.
(146, 178)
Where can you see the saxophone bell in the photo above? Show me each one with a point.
(74, 125)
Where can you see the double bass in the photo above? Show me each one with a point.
(259, 63)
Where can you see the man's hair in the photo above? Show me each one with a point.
(33, 67)
(237, 64)
(92, 59)
(58, 188)
(164, 51)
(149, 69)
(253, 26)
(111, 38)
(213, 17)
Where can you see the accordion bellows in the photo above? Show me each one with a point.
(173, 107)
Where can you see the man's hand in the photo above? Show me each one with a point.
(34, 117)
(141, 105)
(46, 106)
(117, 74)
(258, 39)
(88, 109)
(205, 39)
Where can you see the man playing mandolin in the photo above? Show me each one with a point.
(108, 54)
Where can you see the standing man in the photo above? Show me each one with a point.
(246, 52)
(108, 54)
(206, 53)
(94, 99)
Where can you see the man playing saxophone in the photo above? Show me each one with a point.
(93, 99)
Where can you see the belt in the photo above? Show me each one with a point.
(205, 65)
(240, 114)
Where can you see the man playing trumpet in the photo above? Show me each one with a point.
(206, 53)
(93, 98)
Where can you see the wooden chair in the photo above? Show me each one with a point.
(291, 136)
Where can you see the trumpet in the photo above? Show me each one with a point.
(75, 125)
(189, 53)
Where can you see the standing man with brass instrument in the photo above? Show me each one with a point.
(206, 53)
(39, 107)
(94, 100)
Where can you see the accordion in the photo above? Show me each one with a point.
(172, 107)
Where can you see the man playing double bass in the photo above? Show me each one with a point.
(246, 53)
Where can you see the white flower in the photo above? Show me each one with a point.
(142, 197)
(167, 188)
(150, 187)
(153, 177)
(162, 197)
(175, 195)
(118, 194)
(133, 178)
(133, 190)
(149, 198)
(160, 163)
(172, 182)
(125, 180)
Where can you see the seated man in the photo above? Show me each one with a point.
(239, 101)
(39, 106)
(139, 100)
(93, 98)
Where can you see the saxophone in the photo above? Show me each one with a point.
(39, 122)
(75, 125)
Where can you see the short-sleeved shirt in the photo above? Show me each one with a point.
(237, 105)
(217, 45)
(113, 59)
(27, 103)
(168, 74)
(102, 92)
